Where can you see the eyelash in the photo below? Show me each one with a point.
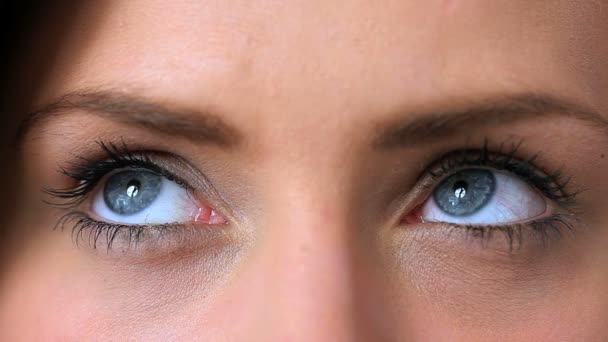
(544, 230)
(553, 186)
(82, 223)
(88, 173)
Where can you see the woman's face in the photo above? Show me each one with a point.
(317, 171)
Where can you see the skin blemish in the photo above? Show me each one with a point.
(449, 6)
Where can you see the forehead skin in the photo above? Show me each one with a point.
(329, 65)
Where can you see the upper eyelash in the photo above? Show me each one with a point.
(89, 172)
(553, 185)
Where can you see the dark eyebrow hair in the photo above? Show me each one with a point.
(137, 110)
(423, 127)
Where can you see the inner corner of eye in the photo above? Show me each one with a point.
(208, 215)
(201, 212)
(414, 216)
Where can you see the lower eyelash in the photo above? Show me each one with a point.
(85, 228)
(543, 230)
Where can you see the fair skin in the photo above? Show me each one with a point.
(292, 111)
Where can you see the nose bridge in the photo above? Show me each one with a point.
(309, 258)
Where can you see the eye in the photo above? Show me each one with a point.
(143, 197)
(480, 196)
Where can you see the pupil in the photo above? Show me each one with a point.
(460, 189)
(133, 188)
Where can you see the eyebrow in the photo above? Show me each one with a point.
(417, 128)
(138, 111)
(426, 127)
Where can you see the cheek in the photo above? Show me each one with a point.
(54, 302)
(581, 321)
(477, 314)
(466, 292)
(58, 292)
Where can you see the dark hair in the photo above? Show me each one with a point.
(20, 21)
(15, 21)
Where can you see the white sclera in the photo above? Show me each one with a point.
(172, 205)
(514, 201)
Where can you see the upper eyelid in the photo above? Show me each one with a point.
(552, 185)
(89, 172)
(119, 156)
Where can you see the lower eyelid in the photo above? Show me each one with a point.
(528, 237)
(138, 239)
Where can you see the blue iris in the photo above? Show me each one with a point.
(130, 192)
(465, 192)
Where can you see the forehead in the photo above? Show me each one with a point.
(309, 59)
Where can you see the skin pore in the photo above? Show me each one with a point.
(314, 128)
